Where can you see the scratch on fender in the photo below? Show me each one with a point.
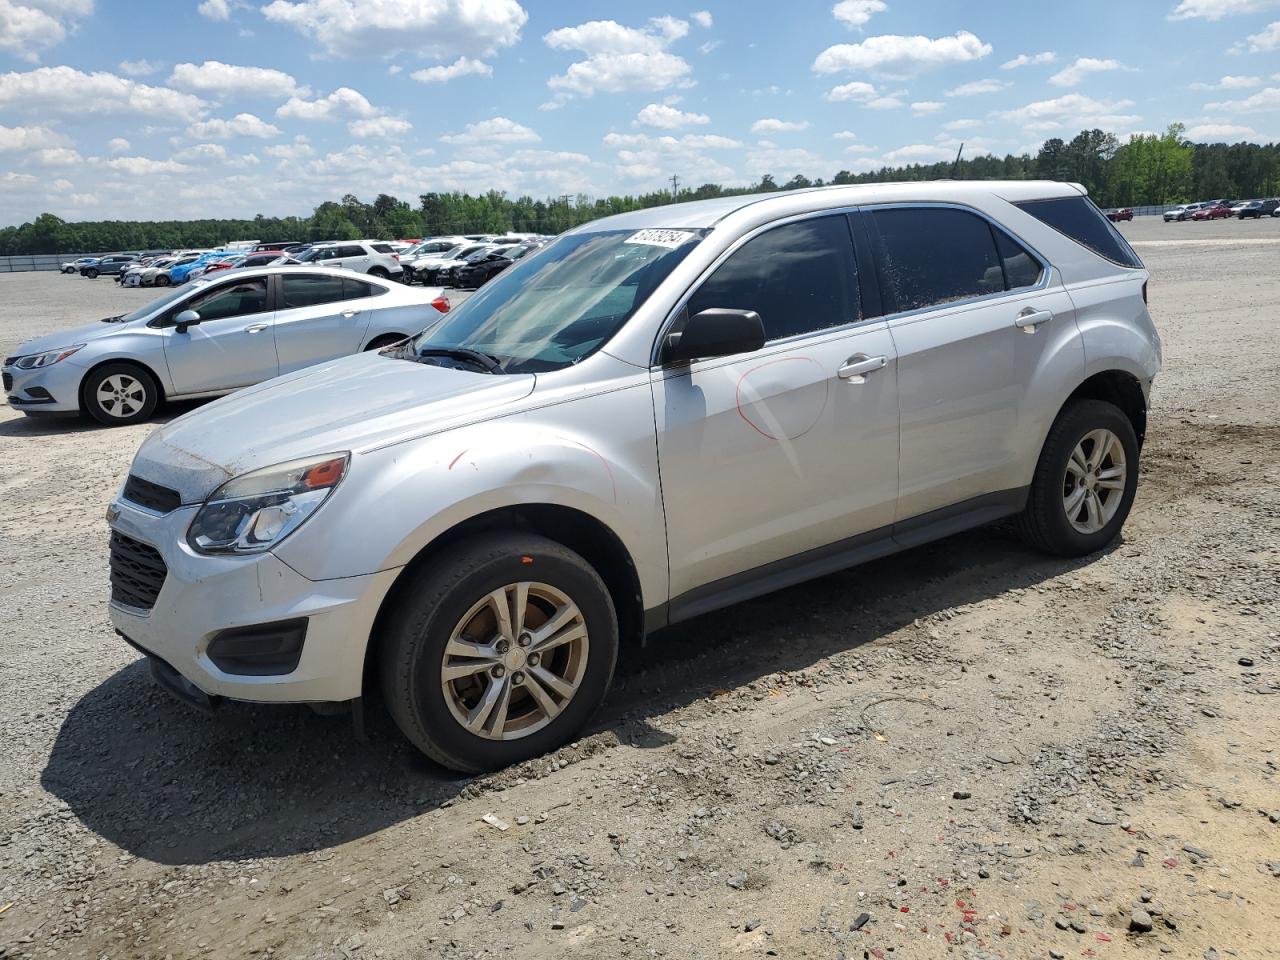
(454, 461)
(608, 469)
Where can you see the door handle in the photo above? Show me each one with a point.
(859, 364)
(255, 328)
(1030, 318)
(349, 313)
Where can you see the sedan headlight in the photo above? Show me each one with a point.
(37, 360)
(253, 512)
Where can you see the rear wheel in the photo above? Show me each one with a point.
(117, 394)
(91, 273)
(379, 272)
(162, 280)
(1085, 481)
(499, 651)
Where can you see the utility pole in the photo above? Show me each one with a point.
(675, 186)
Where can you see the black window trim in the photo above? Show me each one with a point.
(812, 336)
(887, 298)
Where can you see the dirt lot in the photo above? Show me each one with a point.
(968, 748)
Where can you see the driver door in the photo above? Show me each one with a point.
(231, 346)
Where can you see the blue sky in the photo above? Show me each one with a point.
(188, 108)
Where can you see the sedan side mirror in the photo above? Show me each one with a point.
(717, 332)
(187, 318)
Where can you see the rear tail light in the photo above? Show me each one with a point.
(442, 303)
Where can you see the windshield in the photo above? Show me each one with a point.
(311, 254)
(551, 310)
(163, 300)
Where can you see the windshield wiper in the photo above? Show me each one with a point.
(485, 361)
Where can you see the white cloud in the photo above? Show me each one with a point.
(899, 57)
(217, 79)
(1217, 132)
(140, 68)
(668, 118)
(1263, 101)
(202, 153)
(646, 160)
(702, 18)
(857, 149)
(619, 58)
(58, 157)
(924, 107)
(917, 153)
(462, 67)
(961, 124)
(67, 90)
(28, 138)
(1264, 41)
(144, 166)
(1072, 110)
(343, 102)
(1074, 74)
(438, 29)
(297, 150)
(977, 87)
(118, 145)
(855, 13)
(499, 130)
(379, 127)
(215, 9)
(1029, 59)
(844, 135)
(29, 27)
(241, 125)
(1230, 83)
(1217, 9)
(774, 125)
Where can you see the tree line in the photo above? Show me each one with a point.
(1150, 169)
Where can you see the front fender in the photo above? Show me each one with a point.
(595, 454)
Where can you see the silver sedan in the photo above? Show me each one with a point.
(214, 336)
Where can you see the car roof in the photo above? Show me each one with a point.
(700, 214)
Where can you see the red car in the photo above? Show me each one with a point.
(1124, 213)
(1219, 210)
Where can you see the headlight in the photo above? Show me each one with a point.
(46, 359)
(254, 512)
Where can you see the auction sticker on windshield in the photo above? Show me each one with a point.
(661, 238)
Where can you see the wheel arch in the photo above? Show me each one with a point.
(576, 529)
(1119, 388)
(99, 364)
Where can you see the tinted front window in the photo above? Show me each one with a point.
(1081, 220)
(355, 289)
(932, 255)
(231, 300)
(309, 289)
(552, 310)
(799, 277)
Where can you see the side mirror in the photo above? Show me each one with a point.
(717, 332)
(187, 318)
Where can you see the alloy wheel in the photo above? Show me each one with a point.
(1094, 483)
(514, 661)
(121, 395)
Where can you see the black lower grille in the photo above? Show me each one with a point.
(137, 572)
(8, 381)
(151, 495)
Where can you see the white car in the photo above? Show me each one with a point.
(144, 274)
(1178, 213)
(362, 256)
(73, 266)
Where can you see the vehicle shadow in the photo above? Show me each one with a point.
(175, 786)
(57, 426)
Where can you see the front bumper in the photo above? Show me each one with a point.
(53, 389)
(203, 597)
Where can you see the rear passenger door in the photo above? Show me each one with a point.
(794, 447)
(352, 256)
(319, 317)
(983, 331)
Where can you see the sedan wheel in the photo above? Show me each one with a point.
(119, 394)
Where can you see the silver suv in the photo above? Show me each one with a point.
(658, 414)
(213, 335)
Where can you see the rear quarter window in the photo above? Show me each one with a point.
(1080, 219)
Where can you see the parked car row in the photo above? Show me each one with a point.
(1223, 210)
(466, 264)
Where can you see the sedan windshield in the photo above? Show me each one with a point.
(163, 300)
(551, 310)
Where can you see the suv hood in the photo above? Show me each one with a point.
(354, 403)
(65, 338)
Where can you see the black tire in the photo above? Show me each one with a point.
(91, 273)
(144, 400)
(386, 340)
(161, 280)
(1044, 523)
(432, 603)
(380, 273)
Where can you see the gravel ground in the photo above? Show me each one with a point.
(968, 748)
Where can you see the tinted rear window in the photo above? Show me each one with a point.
(932, 255)
(1081, 220)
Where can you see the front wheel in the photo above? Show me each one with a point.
(161, 280)
(118, 394)
(1085, 481)
(91, 273)
(500, 650)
